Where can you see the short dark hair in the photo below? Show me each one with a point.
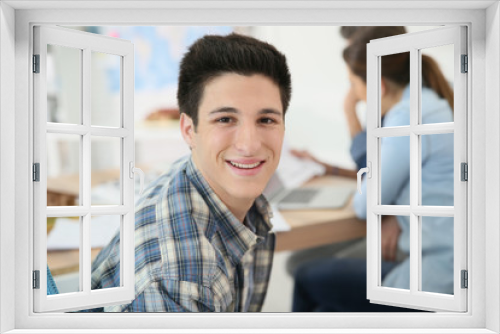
(212, 56)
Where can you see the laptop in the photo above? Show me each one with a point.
(328, 197)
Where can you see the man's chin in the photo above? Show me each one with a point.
(243, 194)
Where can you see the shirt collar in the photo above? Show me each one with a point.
(238, 237)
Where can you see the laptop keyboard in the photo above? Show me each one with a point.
(299, 196)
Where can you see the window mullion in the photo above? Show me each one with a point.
(414, 171)
(85, 254)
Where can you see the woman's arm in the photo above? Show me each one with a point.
(329, 169)
(351, 117)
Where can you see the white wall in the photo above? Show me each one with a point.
(492, 186)
(7, 168)
(315, 119)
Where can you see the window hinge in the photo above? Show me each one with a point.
(464, 171)
(36, 279)
(465, 279)
(36, 63)
(465, 64)
(36, 172)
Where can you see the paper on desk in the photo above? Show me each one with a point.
(279, 223)
(66, 232)
(293, 171)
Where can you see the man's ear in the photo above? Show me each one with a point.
(187, 129)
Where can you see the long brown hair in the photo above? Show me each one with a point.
(395, 67)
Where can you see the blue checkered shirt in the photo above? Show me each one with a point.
(191, 253)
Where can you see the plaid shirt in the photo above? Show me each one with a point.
(192, 254)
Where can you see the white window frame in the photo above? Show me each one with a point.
(17, 19)
(414, 43)
(87, 43)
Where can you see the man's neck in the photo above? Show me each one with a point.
(239, 207)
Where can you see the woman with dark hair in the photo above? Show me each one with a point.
(358, 134)
(339, 285)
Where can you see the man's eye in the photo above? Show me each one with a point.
(267, 120)
(224, 120)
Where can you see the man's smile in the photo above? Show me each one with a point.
(245, 165)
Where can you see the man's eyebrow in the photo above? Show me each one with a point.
(271, 111)
(235, 111)
(223, 109)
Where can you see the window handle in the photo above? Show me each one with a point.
(134, 170)
(367, 170)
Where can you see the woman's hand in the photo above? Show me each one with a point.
(303, 154)
(350, 102)
(351, 117)
(389, 240)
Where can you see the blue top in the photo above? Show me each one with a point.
(358, 149)
(437, 190)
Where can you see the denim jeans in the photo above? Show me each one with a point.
(336, 285)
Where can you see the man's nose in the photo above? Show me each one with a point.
(247, 139)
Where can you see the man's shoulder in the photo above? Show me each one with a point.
(158, 189)
(173, 216)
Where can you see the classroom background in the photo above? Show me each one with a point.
(314, 121)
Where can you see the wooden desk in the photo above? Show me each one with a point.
(66, 261)
(312, 228)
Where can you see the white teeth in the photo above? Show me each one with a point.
(244, 166)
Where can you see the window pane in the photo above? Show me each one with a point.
(394, 109)
(395, 170)
(106, 84)
(105, 229)
(106, 162)
(437, 254)
(437, 77)
(395, 251)
(64, 84)
(63, 169)
(63, 254)
(437, 169)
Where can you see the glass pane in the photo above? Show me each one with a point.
(437, 254)
(105, 178)
(395, 90)
(63, 169)
(395, 170)
(437, 77)
(103, 230)
(437, 169)
(395, 251)
(63, 254)
(106, 83)
(64, 84)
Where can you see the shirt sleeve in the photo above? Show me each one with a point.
(170, 295)
(358, 149)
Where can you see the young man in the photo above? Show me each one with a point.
(203, 235)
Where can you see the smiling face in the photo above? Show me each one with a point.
(237, 142)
